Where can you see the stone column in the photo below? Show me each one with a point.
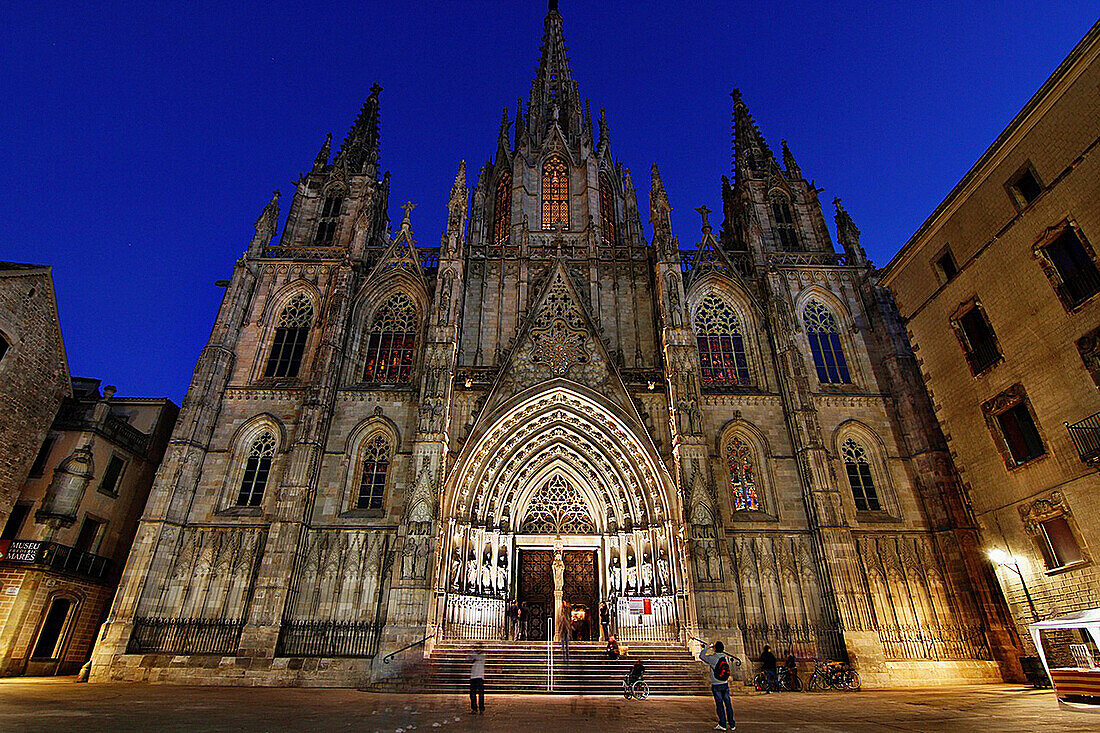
(559, 587)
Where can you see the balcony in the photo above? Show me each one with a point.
(1086, 438)
(54, 556)
(81, 416)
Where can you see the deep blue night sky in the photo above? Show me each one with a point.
(140, 143)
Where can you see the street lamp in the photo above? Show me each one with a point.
(1011, 562)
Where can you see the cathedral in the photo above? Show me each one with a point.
(383, 445)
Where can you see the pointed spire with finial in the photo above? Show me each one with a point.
(750, 152)
(519, 121)
(587, 122)
(266, 225)
(605, 131)
(502, 136)
(323, 154)
(793, 171)
(360, 151)
(451, 243)
(660, 211)
(554, 97)
(847, 234)
(406, 223)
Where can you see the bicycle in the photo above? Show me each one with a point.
(788, 681)
(833, 675)
(638, 689)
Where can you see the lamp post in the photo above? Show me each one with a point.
(1010, 562)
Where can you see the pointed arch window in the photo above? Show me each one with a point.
(784, 223)
(743, 486)
(555, 194)
(331, 208)
(291, 332)
(862, 482)
(257, 468)
(557, 508)
(391, 341)
(824, 335)
(374, 467)
(607, 211)
(502, 210)
(721, 342)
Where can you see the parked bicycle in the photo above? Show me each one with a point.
(833, 676)
(788, 681)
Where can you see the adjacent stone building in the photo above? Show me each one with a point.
(998, 291)
(67, 536)
(383, 442)
(34, 373)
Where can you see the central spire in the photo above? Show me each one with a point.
(554, 96)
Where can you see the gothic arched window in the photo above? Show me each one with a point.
(257, 468)
(721, 343)
(824, 335)
(374, 465)
(784, 223)
(391, 341)
(858, 468)
(555, 194)
(743, 487)
(327, 221)
(502, 210)
(557, 508)
(607, 211)
(291, 332)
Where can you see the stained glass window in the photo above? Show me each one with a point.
(391, 341)
(721, 343)
(742, 476)
(557, 508)
(824, 335)
(555, 194)
(372, 479)
(257, 467)
(291, 333)
(607, 211)
(859, 476)
(502, 209)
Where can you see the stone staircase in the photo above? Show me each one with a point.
(520, 667)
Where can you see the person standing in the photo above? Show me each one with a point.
(771, 668)
(565, 629)
(605, 621)
(719, 664)
(511, 617)
(477, 680)
(521, 622)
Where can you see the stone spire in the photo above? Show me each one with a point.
(660, 216)
(605, 131)
(793, 171)
(456, 214)
(360, 150)
(750, 153)
(847, 234)
(502, 136)
(266, 225)
(554, 96)
(323, 154)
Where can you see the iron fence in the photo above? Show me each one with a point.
(328, 639)
(185, 636)
(477, 618)
(646, 619)
(934, 642)
(805, 641)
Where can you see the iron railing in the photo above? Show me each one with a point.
(1086, 438)
(75, 415)
(646, 619)
(328, 639)
(934, 642)
(805, 641)
(54, 556)
(185, 636)
(474, 618)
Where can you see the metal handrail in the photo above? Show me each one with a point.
(389, 657)
(549, 655)
(736, 659)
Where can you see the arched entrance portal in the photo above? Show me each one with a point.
(560, 498)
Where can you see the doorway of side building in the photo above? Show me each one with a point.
(53, 635)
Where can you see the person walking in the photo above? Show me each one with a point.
(719, 664)
(477, 680)
(565, 629)
(770, 665)
(605, 621)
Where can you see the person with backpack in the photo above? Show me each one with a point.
(719, 664)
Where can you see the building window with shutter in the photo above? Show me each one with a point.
(116, 466)
(1069, 263)
(1051, 525)
(977, 338)
(1014, 427)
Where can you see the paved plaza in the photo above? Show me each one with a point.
(63, 705)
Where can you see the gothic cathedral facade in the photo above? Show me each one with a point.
(383, 442)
